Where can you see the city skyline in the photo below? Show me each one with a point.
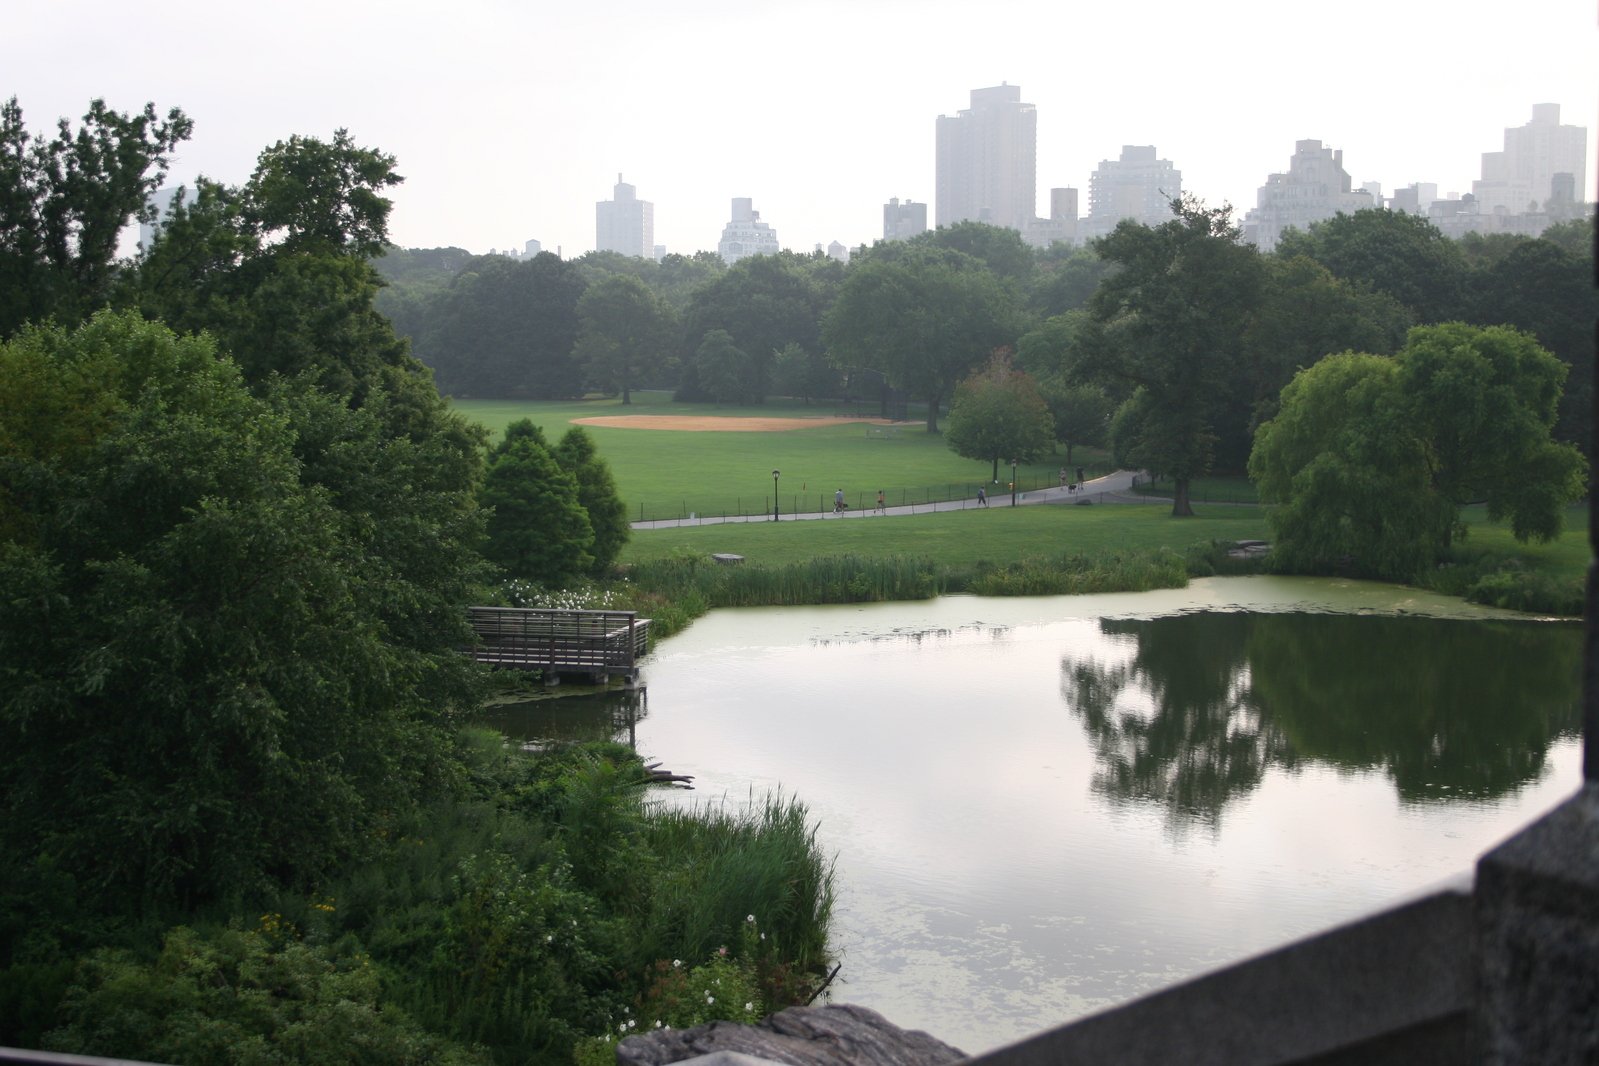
(510, 122)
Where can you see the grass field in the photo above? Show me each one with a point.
(957, 538)
(672, 474)
(663, 474)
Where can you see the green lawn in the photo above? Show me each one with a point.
(958, 538)
(665, 474)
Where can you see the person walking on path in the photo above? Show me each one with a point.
(880, 501)
(982, 497)
(838, 502)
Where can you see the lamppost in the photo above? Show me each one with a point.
(1013, 483)
(774, 496)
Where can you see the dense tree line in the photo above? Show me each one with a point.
(925, 313)
(238, 530)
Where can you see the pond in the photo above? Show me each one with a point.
(1043, 807)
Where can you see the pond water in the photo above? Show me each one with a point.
(1043, 807)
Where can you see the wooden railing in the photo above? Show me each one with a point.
(598, 643)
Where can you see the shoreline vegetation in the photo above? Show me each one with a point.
(670, 576)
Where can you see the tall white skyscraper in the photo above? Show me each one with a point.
(625, 223)
(1315, 188)
(746, 234)
(1138, 186)
(1521, 178)
(987, 161)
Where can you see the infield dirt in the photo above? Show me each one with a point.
(714, 424)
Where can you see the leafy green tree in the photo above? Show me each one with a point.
(624, 333)
(807, 375)
(723, 372)
(506, 328)
(1305, 313)
(998, 248)
(1067, 284)
(999, 413)
(596, 492)
(1371, 458)
(1394, 252)
(1542, 288)
(922, 316)
(538, 529)
(1169, 323)
(222, 671)
(1080, 414)
(65, 201)
(763, 303)
(267, 269)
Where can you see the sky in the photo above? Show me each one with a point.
(509, 119)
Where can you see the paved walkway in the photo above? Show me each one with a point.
(1112, 488)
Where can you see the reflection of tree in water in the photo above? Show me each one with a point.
(1177, 725)
(610, 714)
(1210, 701)
(1447, 708)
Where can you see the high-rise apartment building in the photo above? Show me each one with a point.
(625, 223)
(746, 234)
(1315, 188)
(902, 221)
(1521, 179)
(1138, 186)
(987, 161)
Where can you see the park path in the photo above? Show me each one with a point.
(1112, 488)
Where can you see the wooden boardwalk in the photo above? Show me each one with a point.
(601, 644)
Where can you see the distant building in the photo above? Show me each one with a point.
(987, 160)
(1414, 199)
(837, 251)
(531, 248)
(625, 223)
(1315, 188)
(1138, 186)
(1520, 180)
(1061, 225)
(902, 221)
(746, 234)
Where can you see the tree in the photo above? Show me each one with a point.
(723, 372)
(506, 328)
(998, 413)
(230, 622)
(1305, 313)
(1066, 285)
(1371, 458)
(64, 203)
(998, 248)
(924, 317)
(807, 375)
(1396, 253)
(538, 529)
(763, 303)
(1080, 413)
(623, 334)
(1169, 324)
(596, 492)
(1543, 288)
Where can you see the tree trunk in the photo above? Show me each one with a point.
(932, 414)
(1181, 507)
(995, 474)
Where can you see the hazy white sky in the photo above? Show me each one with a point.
(510, 119)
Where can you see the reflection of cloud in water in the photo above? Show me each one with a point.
(910, 635)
